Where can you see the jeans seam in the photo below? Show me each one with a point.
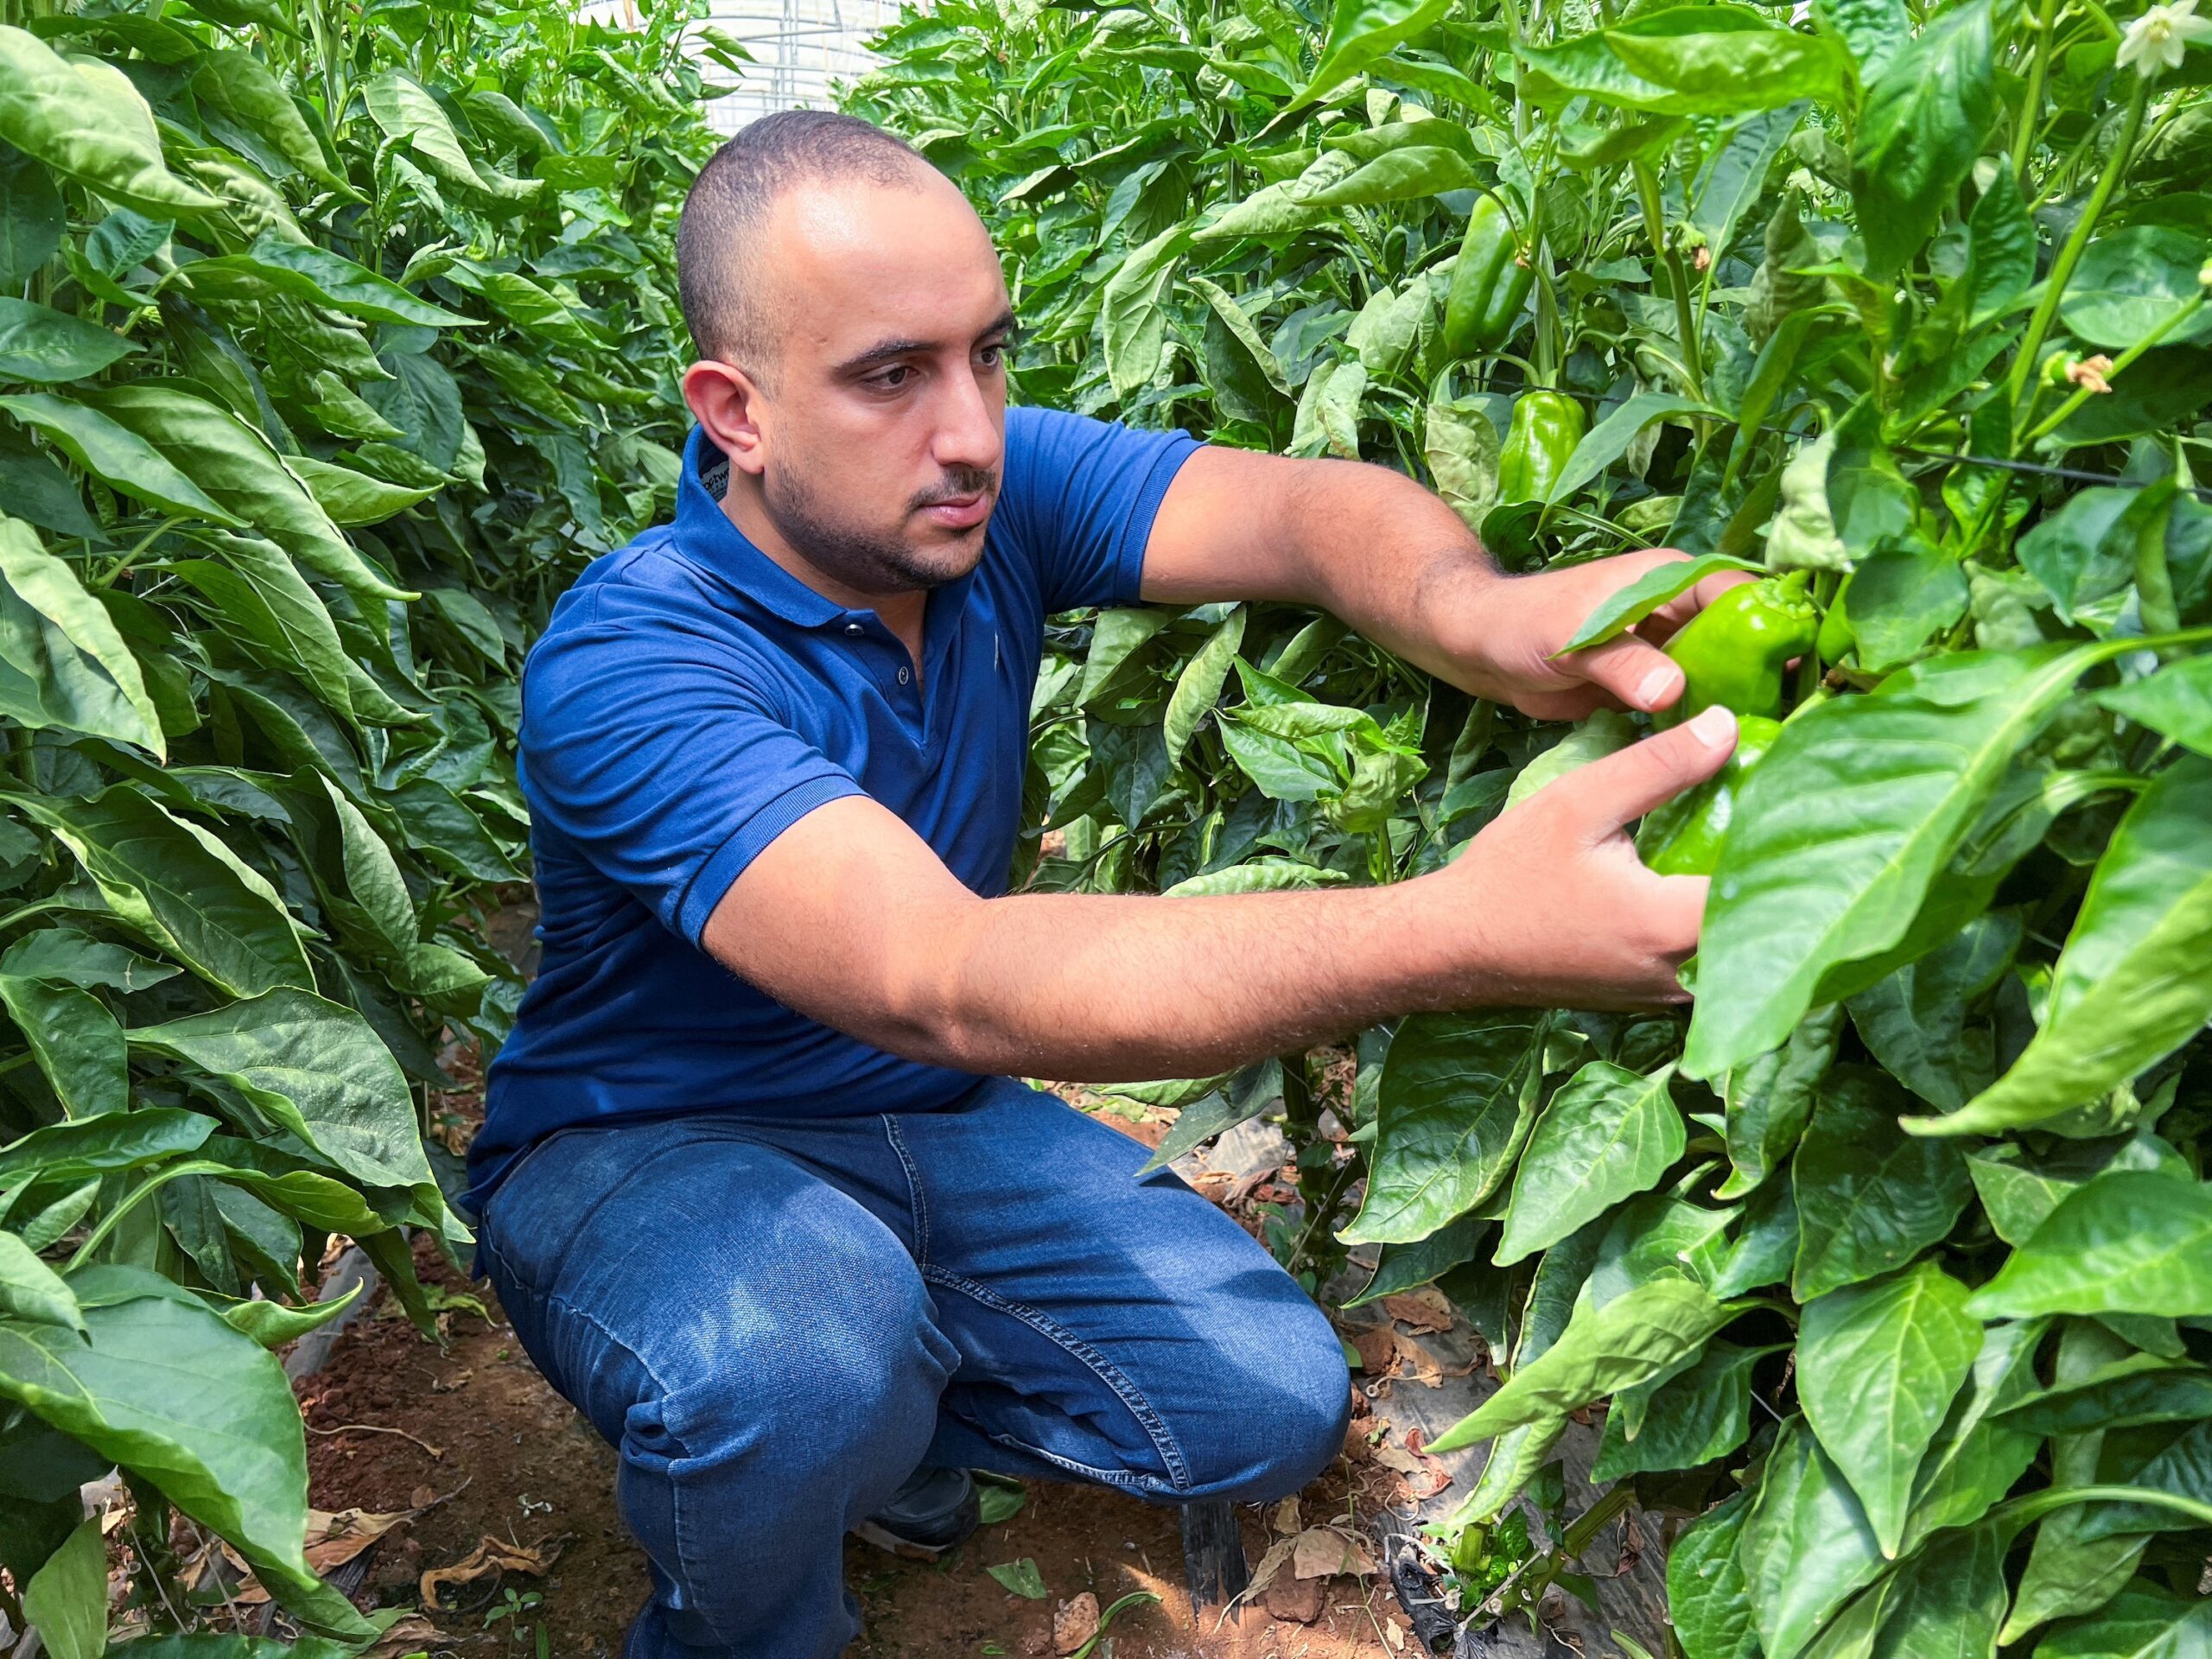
(1163, 1438)
(915, 1197)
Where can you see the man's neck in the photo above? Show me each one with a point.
(902, 611)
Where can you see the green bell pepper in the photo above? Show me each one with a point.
(1683, 838)
(1546, 427)
(1733, 652)
(1490, 284)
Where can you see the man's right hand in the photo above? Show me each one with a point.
(1558, 910)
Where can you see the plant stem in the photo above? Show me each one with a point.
(2056, 418)
(2062, 271)
(1654, 225)
(2031, 106)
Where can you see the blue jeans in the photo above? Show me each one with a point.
(776, 1323)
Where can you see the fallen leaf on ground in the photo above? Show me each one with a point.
(1020, 1577)
(1378, 1350)
(1075, 1622)
(1423, 1473)
(1425, 1309)
(1394, 1635)
(491, 1555)
(1278, 1554)
(1285, 1518)
(334, 1538)
(411, 1635)
(1324, 1552)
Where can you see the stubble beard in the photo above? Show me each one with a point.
(872, 561)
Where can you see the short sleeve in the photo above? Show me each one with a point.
(1080, 496)
(646, 748)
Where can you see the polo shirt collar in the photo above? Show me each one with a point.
(704, 531)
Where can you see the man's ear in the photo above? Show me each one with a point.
(728, 403)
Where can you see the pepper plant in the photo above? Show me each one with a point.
(1893, 1258)
(333, 341)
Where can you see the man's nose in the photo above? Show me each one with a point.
(967, 433)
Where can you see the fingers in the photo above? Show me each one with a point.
(1634, 670)
(1628, 784)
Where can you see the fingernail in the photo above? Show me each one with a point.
(1715, 726)
(1658, 688)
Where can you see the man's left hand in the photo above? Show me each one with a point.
(1522, 620)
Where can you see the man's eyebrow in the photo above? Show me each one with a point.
(885, 351)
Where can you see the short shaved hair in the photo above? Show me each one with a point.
(718, 273)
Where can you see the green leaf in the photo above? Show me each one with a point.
(1197, 687)
(1715, 60)
(39, 343)
(1872, 30)
(1624, 608)
(1396, 176)
(62, 661)
(2136, 281)
(1607, 732)
(237, 466)
(166, 1389)
(1259, 875)
(239, 85)
(407, 111)
(99, 1146)
(262, 595)
(1405, 1267)
(351, 497)
(66, 1600)
(114, 454)
(2182, 1469)
(2175, 702)
(1608, 440)
(1869, 1198)
(88, 122)
(1133, 314)
(313, 1066)
(2126, 1242)
(1020, 1577)
(32, 1290)
(2144, 1621)
(178, 886)
(1807, 1547)
(314, 276)
(1877, 1366)
(1915, 1022)
(2139, 1389)
(1769, 1098)
(1656, 1329)
(2135, 982)
(1362, 31)
(76, 1042)
(273, 1325)
(1708, 1600)
(1976, 1457)
(1607, 1134)
(1462, 447)
(1703, 1413)
(1458, 1097)
(31, 218)
(1803, 889)
(1920, 129)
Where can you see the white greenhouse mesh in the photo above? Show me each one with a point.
(802, 45)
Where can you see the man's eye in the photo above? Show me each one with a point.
(892, 378)
(993, 355)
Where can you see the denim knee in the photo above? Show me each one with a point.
(1278, 1429)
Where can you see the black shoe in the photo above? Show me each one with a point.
(934, 1510)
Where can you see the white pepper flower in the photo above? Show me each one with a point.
(2156, 40)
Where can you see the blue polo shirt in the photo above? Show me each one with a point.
(690, 700)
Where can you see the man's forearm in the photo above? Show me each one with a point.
(1364, 544)
(1385, 556)
(1090, 988)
